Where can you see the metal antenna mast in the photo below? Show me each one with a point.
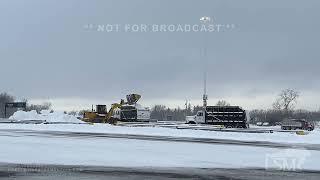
(205, 20)
(205, 96)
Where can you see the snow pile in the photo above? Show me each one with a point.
(23, 115)
(45, 115)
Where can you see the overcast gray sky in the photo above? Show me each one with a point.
(47, 53)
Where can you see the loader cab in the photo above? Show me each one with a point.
(116, 113)
(200, 117)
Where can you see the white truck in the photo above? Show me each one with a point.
(294, 124)
(131, 113)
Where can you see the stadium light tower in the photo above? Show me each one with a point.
(205, 20)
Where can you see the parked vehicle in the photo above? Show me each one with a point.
(294, 124)
(227, 116)
(259, 123)
(123, 111)
(132, 113)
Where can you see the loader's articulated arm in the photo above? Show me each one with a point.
(108, 118)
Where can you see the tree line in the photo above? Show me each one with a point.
(161, 112)
(283, 108)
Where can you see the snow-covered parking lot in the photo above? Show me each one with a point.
(279, 137)
(38, 144)
(41, 149)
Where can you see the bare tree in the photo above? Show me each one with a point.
(277, 105)
(286, 100)
(222, 103)
(39, 107)
(159, 112)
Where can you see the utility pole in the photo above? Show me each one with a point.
(205, 96)
(205, 20)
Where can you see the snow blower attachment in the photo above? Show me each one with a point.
(133, 98)
(102, 116)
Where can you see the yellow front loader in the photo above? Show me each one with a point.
(102, 116)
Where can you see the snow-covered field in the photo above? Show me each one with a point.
(142, 153)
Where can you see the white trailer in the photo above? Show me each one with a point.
(132, 113)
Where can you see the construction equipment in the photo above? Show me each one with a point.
(132, 113)
(95, 116)
(102, 116)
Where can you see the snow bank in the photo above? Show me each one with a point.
(45, 115)
(23, 115)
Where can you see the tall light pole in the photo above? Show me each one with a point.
(205, 20)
